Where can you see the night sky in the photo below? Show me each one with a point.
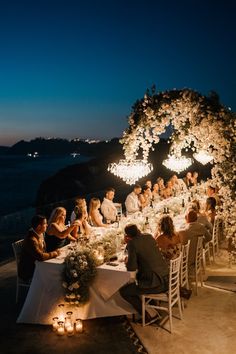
(74, 68)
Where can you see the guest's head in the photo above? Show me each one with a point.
(169, 184)
(81, 202)
(137, 189)
(191, 216)
(39, 223)
(110, 193)
(174, 179)
(149, 183)
(189, 175)
(81, 213)
(146, 189)
(210, 191)
(94, 204)
(195, 205)
(132, 231)
(166, 226)
(58, 216)
(195, 174)
(160, 182)
(155, 187)
(210, 203)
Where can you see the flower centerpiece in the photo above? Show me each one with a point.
(78, 274)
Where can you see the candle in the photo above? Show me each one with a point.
(70, 330)
(79, 326)
(61, 314)
(55, 324)
(60, 329)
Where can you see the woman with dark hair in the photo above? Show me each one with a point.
(210, 210)
(167, 239)
(145, 196)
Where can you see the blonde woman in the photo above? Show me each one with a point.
(95, 216)
(58, 234)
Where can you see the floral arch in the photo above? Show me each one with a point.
(198, 122)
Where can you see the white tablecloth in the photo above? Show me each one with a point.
(46, 293)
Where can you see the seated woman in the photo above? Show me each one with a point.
(194, 178)
(95, 217)
(34, 248)
(201, 218)
(58, 234)
(188, 180)
(145, 197)
(167, 192)
(155, 193)
(210, 210)
(160, 182)
(167, 239)
(79, 203)
(81, 216)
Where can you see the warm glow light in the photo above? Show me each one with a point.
(130, 171)
(177, 163)
(203, 157)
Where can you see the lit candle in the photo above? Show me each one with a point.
(60, 329)
(55, 324)
(70, 330)
(79, 326)
(61, 314)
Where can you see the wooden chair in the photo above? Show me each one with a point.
(171, 297)
(206, 255)
(198, 263)
(17, 247)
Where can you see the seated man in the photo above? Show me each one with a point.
(152, 270)
(132, 202)
(191, 232)
(34, 248)
(108, 208)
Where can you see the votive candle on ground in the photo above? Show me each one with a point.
(70, 330)
(79, 326)
(55, 323)
(60, 329)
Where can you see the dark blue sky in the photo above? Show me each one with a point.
(74, 68)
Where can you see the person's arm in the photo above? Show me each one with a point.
(97, 220)
(53, 229)
(37, 253)
(207, 235)
(87, 227)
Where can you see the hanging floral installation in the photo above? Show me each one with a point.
(200, 123)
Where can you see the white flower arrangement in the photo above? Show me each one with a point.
(197, 120)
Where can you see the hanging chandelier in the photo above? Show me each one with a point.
(177, 163)
(203, 157)
(130, 171)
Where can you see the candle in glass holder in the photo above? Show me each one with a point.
(78, 326)
(70, 330)
(55, 323)
(60, 329)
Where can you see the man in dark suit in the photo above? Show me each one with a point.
(152, 270)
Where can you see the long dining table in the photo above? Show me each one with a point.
(46, 293)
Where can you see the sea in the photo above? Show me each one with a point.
(20, 178)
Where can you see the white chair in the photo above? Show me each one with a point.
(198, 263)
(214, 243)
(17, 247)
(184, 282)
(171, 297)
(206, 255)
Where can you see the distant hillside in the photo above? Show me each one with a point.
(4, 150)
(60, 146)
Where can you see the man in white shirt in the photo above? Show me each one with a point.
(132, 202)
(108, 208)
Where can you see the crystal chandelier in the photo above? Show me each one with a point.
(130, 171)
(203, 157)
(177, 163)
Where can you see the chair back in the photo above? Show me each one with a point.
(198, 256)
(17, 247)
(215, 234)
(184, 265)
(174, 278)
